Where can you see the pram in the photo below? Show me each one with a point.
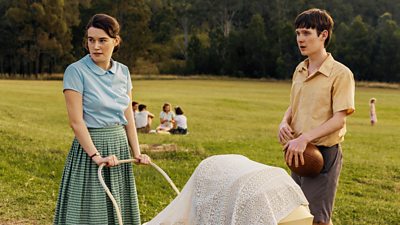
(231, 189)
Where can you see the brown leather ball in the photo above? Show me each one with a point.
(313, 162)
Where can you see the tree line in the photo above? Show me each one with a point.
(242, 38)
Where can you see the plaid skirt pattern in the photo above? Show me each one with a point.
(82, 200)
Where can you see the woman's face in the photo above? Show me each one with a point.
(101, 46)
(167, 108)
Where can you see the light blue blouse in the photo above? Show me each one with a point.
(104, 93)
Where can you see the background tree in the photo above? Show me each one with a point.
(134, 18)
(219, 14)
(162, 24)
(248, 50)
(196, 55)
(228, 37)
(354, 47)
(387, 50)
(7, 31)
(38, 35)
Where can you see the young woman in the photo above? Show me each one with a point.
(97, 92)
(166, 118)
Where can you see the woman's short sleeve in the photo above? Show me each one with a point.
(129, 88)
(73, 79)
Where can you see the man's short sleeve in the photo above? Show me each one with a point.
(73, 80)
(343, 92)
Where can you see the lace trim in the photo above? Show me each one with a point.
(231, 189)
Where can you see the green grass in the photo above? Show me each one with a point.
(239, 117)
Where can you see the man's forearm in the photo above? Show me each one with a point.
(287, 117)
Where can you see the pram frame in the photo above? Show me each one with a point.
(107, 190)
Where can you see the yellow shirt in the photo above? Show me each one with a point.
(316, 98)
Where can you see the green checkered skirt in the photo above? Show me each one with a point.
(82, 199)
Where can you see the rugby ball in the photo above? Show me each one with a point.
(313, 162)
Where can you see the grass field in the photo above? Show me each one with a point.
(239, 117)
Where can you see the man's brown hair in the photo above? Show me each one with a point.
(316, 19)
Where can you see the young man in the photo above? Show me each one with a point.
(143, 119)
(322, 96)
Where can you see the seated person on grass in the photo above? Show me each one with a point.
(143, 119)
(180, 122)
(166, 119)
(135, 107)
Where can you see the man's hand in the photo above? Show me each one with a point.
(285, 133)
(294, 149)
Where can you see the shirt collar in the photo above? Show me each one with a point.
(325, 68)
(97, 69)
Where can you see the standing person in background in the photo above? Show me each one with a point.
(180, 122)
(143, 119)
(97, 92)
(372, 112)
(322, 96)
(166, 118)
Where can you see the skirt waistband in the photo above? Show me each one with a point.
(105, 129)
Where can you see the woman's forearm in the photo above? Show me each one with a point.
(130, 130)
(132, 139)
(82, 135)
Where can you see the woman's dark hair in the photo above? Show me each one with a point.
(178, 111)
(141, 107)
(107, 23)
(316, 19)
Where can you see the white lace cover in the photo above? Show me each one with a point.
(231, 189)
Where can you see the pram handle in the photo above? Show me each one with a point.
(107, 190)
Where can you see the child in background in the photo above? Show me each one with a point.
(372, 112)
(180, 124)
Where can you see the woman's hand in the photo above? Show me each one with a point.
(143, 159)
(110, 160)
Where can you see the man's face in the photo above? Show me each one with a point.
(309, 42)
